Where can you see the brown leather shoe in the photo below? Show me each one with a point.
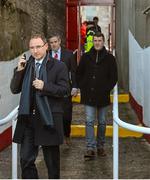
(101, 152)
(90, 154)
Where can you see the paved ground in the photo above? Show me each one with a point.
(134, 161)
(126, 113)
(134, 155)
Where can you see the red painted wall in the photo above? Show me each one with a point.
(71, 24)
(139, 111)
(5, 138)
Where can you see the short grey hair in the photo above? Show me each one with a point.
(55, 35)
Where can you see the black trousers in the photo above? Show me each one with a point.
(67, 116)
(29, 152)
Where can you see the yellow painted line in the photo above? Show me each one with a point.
(123, 98)
(79, 131)
(76, 99)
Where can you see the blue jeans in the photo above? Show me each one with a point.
(91, 114)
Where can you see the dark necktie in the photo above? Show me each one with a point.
(56, 56)
(37, 69)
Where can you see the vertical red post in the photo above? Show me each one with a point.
(71, 24)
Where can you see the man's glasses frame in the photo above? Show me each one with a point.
(36, 47)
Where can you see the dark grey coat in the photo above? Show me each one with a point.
(55, 88)
(68, 58)
(96, 79)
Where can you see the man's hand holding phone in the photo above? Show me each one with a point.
(22, 62)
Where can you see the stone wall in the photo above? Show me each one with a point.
(20, 19)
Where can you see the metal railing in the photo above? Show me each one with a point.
(118, 122)
(12, 117)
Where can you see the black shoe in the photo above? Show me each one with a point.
(101, 152)
(89, 155)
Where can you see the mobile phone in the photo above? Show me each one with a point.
(23, 63)
(24, 56)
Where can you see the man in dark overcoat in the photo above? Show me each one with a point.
(43, 82)
(66, 56)
(96, 77)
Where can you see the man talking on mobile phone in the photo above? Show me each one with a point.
(43, 82)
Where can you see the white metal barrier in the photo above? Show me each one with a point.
(118, 122)
(12, 117)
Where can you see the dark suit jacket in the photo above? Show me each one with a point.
(55, 88)
(68, 58)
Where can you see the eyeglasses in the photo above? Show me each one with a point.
(36, 47)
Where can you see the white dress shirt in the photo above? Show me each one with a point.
(58, 53)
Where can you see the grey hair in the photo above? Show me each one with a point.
(55, 35)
